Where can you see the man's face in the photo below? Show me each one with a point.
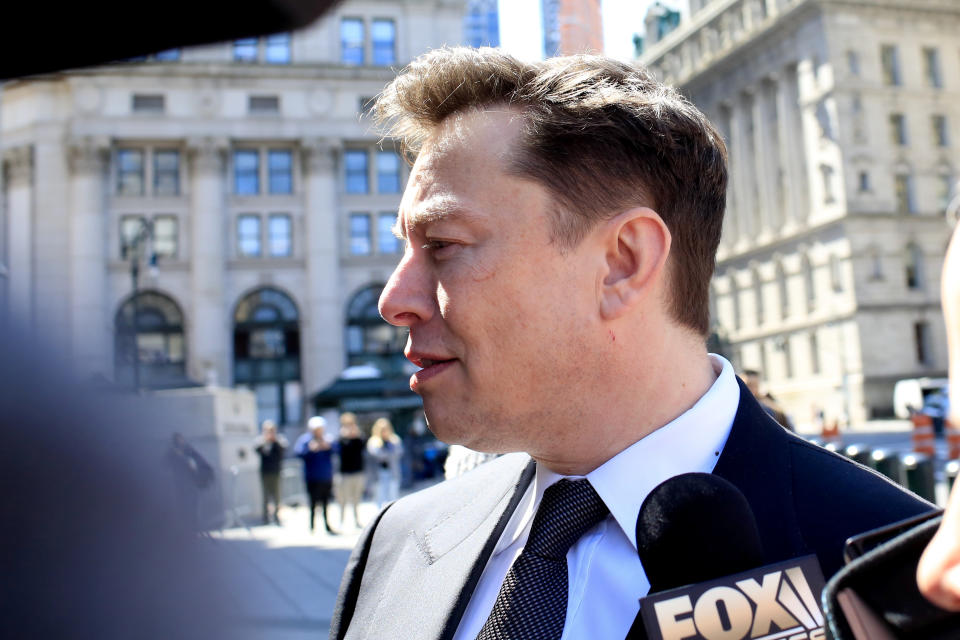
(496, 312)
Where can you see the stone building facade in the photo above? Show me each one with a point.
(244, 182)
(842, 120)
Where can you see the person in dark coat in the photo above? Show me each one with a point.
(317, 454)
(270, 446)
(352, 478)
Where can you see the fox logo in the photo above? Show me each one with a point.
(776, 602)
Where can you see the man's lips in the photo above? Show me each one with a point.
(432, 366)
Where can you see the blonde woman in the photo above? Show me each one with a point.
(386, 449)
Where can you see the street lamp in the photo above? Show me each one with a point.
(136, 247)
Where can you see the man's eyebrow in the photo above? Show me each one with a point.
(431, 212)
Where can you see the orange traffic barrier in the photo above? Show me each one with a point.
(923, 436)
(953, 439)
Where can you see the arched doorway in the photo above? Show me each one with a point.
(149, 343)
(370, 339)
(266, 354)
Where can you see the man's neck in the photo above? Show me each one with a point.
(629, 412)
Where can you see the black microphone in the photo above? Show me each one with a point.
(695, 527)
(700, 547)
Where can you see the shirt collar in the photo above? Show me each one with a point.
(691, 442)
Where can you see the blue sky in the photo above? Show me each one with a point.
(521, 34)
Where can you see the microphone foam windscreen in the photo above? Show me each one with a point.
(696, 527)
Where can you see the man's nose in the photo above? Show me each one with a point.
(406, 300)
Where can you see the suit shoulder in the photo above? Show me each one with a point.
(836, 497)
(498, 475)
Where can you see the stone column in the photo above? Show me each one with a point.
(207, 314)
(731, 228)
(792, 150)
(90, 328)
(744, 173)
(765, 159)
(323, 326)
(18, 162)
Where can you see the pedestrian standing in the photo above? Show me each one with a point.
(317, 454)
(386, 449)
(352, 478)
(270, 446)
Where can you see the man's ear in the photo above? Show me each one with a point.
(637, 244)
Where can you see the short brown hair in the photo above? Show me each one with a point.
(601, 136)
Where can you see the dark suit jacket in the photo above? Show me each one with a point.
(415, 567)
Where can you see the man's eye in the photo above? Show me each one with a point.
(437, 245)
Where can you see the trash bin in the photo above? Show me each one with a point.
(889, 464)
(951, 470)
(858, 453)
(918, 469)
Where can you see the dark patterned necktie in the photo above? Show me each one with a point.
(532, 603)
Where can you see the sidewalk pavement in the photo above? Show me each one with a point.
(283, 580)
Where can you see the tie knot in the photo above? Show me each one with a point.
(569, 508)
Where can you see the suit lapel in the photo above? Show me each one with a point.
(756, 458)
(473, 577)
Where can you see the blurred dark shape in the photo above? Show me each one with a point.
(41, 37)
(92, 544)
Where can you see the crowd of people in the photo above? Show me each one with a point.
(334, 468)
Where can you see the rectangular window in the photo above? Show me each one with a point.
(165, 236)
(148, 103)
(248, 236)
(853, 63)
(355, 163)
(388, 172)
(280, 170)
(260, 105)
(280, 231)
(898, 129)
(359, 234)
(864, 182)
(245, 50)
(940, 136)
(246, 172)
(891, 65)
(921, 341)
(386, 241)
(383, 33)
(277, 49)
(166, 173)
(931, 67)
(351, 41)
(130, 172)
(904, 193)
(129, 229)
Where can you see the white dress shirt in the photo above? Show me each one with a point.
(604, 573)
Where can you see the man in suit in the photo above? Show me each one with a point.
(561, 222)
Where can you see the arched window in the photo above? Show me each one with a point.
(149, 344)
(266, 354)
(370, 339)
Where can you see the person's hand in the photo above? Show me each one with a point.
(938, 574)
(314, 445)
